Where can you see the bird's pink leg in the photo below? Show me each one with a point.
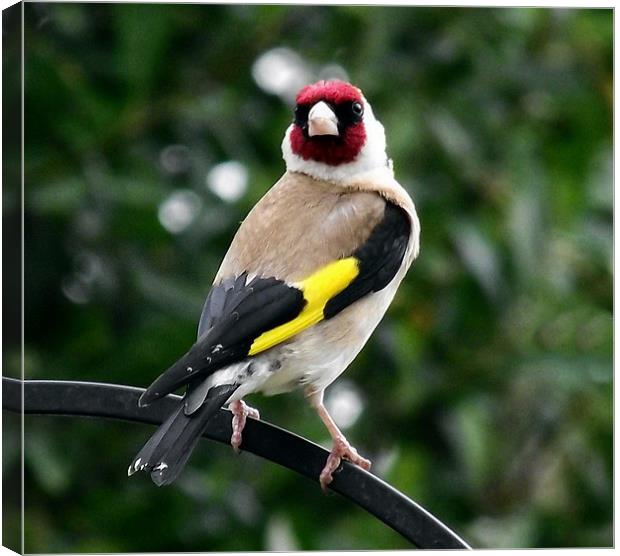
(341, 448)
(240, 411)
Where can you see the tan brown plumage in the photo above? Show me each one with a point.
(300, 225)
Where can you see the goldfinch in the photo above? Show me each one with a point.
(307, 278)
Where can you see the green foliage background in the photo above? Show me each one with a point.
(487, 390)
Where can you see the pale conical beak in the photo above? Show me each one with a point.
(322, 120)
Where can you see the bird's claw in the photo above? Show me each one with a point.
(341, 449)
(241, 411)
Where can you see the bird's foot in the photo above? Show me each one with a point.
(341, 449)
(241, 411)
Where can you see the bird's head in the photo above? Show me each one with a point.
(334, 135)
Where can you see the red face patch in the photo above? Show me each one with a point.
(330, 150)
(327, 149)
(335, 92)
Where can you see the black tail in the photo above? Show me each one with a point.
(167, 451)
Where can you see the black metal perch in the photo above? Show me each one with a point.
(51, 397)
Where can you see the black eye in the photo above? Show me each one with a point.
(301, 114)
(357, 109)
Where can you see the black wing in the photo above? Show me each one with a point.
(236, 312)
(379, 259)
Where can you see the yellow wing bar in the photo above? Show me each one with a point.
(318, 289)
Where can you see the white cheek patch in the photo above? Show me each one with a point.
(371, 157)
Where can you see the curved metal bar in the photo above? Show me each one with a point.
(51, 397)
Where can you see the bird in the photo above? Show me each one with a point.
(308, 276)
